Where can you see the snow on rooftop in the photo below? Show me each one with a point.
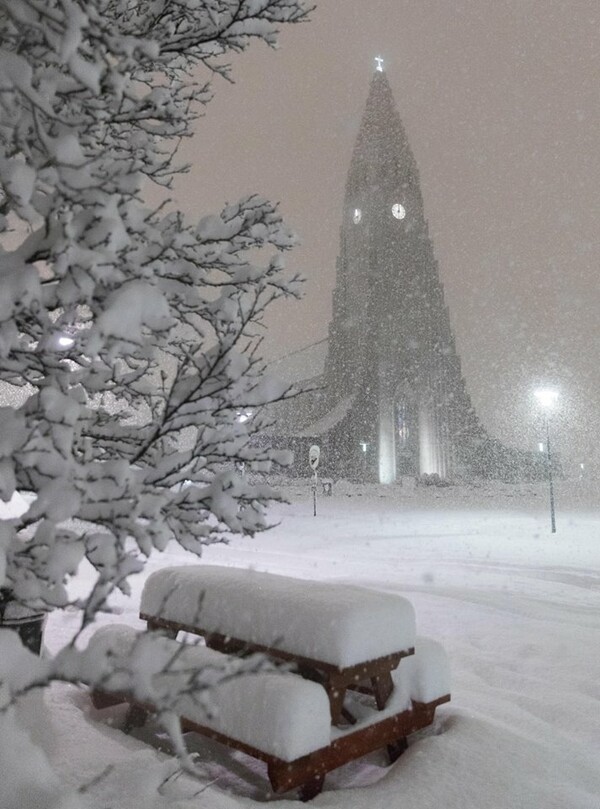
(329, 420)
(301, 365)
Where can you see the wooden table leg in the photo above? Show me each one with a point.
(136, 717)
(311, 789)
(349, 717)
(395, 749)
(383, 685)
(336, 691)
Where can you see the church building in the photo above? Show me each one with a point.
(392, 400)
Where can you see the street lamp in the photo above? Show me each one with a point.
(547, 398)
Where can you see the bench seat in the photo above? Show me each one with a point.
(277, 712)
(337, 624)
(279, 718)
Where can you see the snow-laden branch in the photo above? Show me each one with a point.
(131, 333)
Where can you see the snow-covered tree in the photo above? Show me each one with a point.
(133, 332)
(129, 333)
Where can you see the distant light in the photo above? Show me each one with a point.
(363, 446)
(546, 397)
(357, 215)
(379, 64)
(64, 341)
(582, 465)
(541, 446)
(244, 416)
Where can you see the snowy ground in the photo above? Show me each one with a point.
(517, 608)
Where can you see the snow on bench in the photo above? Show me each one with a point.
(343, 625)
(276, 717)
(277, 713)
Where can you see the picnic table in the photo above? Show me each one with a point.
(347, 696)
(342, 636)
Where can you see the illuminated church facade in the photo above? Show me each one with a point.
(392, 399)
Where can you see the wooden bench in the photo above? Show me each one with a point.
(343, 636)
(281, 718)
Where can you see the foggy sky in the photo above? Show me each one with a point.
(500, 102)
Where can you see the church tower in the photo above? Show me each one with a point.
(395, 400)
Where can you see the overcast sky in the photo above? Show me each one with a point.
(501, 104)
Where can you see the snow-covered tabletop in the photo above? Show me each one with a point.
(342, 625)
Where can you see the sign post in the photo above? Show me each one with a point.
(314, 453)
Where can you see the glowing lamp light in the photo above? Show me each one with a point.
(546, 397)
(64, 341)
(244, 416)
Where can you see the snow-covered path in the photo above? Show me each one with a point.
(518, 610)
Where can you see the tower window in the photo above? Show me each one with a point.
(357, 216)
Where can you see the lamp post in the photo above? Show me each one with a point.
(547, 399)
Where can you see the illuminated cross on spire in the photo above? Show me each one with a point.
(379, 61)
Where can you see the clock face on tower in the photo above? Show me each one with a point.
(398, 210)
(357, 216)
